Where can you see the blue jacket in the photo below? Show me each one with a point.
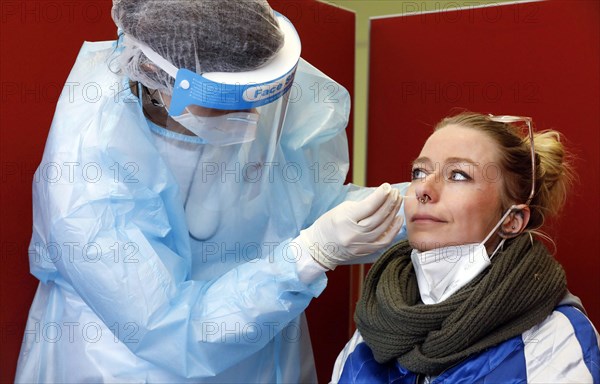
(561, 349)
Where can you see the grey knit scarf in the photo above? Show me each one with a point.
(518, 291)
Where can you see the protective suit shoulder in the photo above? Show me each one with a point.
(314, 138)
(318, 106)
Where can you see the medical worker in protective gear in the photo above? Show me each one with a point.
(186, 212)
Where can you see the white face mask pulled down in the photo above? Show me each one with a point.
(443, 271)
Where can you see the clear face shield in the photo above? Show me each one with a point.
(224, 108)
(223, 135)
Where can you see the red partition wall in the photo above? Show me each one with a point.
(39, 41)
(538, 59)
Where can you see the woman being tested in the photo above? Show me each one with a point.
(472, 296)
(190, 247)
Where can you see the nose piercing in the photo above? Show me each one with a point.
(424, 199)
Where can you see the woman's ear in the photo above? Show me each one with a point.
(516, 222)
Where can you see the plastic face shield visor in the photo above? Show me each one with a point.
(239, 92)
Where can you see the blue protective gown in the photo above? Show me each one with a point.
(125, 294)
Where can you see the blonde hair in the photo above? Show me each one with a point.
(554, 174)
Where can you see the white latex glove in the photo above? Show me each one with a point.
(354, 228)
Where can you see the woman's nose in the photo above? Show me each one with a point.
(426, 189)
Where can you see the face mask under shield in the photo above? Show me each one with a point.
(224, 108)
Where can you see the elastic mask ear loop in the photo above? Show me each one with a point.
(497, 248)
(495, 229)
(153, 100)
(162, 103)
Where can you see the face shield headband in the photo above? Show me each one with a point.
(233, 90)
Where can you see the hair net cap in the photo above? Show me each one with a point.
(200, 36)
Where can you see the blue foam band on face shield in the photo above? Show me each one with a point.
(194, 89)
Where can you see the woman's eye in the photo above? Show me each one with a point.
(459, 176)
(418, 173)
